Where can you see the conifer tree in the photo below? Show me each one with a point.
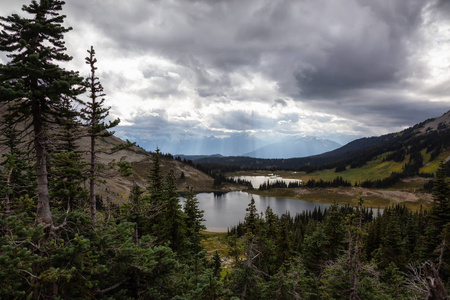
(156, 179)
(173, 217)
(95, 114)
(193, 221)
(33, 81)
(251, 218)
(155, 198)
(136, 209)
(440, 212)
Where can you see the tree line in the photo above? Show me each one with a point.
(344, 252)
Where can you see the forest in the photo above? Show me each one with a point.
(60, 240)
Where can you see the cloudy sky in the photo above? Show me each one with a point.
(179, 69)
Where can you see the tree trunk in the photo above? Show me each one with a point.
(434, 282)
(92, 182)
(43, 214)
(8, 195)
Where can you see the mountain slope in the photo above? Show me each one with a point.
(116, 186)
(430, 138)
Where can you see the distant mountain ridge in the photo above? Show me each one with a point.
(207, 145)
(431, 137)
(242, 144)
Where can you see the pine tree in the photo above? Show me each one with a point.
(251, 218)
(440, 212)
(95, 115)
(33, 81)
(136, 209)
(193, 222)
(156, 179)
(173, 216)
(155, 197)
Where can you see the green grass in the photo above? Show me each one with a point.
(431, 167)
(375, 169)
(215, 241)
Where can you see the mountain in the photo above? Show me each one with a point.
(429, 139)
(295, 147)
(208, 145)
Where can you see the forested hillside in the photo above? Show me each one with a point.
(415, 147)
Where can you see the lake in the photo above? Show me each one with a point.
(258, 180)
(226, 210)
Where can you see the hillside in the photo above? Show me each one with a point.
(117, 186)
(430, 139)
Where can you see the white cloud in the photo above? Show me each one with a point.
(322, 67)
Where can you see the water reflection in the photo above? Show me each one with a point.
(258, 180)
(226, 210)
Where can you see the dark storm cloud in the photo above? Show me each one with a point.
(371, 52)
(358, 60)
(323, 53)
(383, 110)
(442, 8)
(279, 102)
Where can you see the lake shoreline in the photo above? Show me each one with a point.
(381, 198)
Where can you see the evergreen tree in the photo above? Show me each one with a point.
(251, 218)
(216, 264)
(284, 242)
(33, 82)
(334, 231)
(156, 179)
(173, 217)
(193, 222)
(95, 115)
(136, 209)
(440, 212)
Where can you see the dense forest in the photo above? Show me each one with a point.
(60, 240)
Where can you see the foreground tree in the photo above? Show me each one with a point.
(33, 81)
(95, 114)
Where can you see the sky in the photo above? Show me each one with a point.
(178, 70)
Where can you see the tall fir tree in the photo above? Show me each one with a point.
(34, 82)
(193, 222)
(440, 212)
(173, 216)
(156, 179)
(95, 114)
